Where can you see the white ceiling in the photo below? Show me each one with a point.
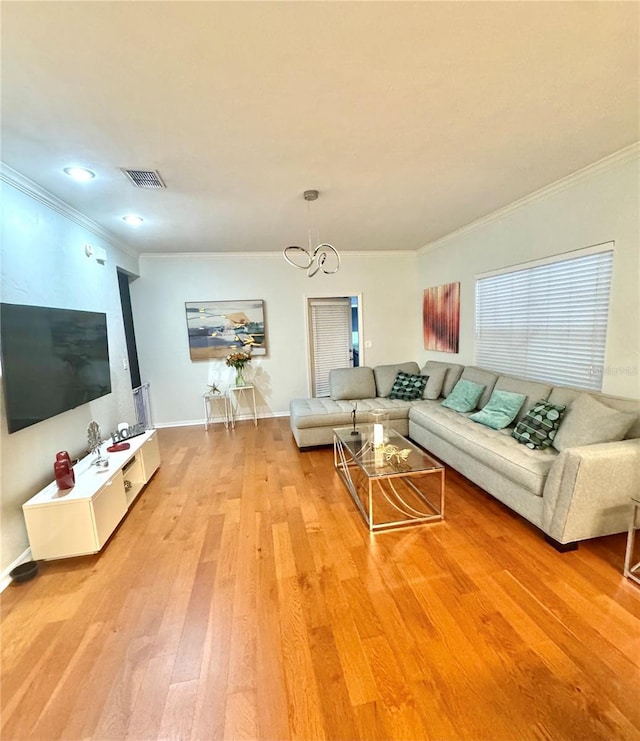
(411, 119)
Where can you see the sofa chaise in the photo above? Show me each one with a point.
(576, 488)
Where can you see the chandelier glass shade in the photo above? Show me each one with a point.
(321, 258)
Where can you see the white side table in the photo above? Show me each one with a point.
(210, 403)
(236, 394)
(631, 571)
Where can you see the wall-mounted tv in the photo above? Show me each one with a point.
(52, 360)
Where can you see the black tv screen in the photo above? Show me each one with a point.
(52, 360)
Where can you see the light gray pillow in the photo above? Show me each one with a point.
(435, 380)
(352, 383)
(385, 375)
(453, 371)
(588, 421)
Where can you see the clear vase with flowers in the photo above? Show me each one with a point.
(237, 361)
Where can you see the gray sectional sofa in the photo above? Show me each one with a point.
(577, 489)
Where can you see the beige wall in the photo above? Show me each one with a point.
(390, 306)
(598, 205)
(43, 263)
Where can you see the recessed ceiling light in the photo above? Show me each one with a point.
(133, 220)
(79, 173)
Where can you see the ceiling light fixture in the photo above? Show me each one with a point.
(79, 173)
(133, 220)
(324, 257)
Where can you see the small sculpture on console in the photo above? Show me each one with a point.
(94, 438)
(353, 418)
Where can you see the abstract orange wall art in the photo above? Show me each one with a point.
(441, 317)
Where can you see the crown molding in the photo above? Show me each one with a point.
(22, 183)
(606, 163)
(259, 255)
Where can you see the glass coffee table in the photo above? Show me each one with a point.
(390, 490)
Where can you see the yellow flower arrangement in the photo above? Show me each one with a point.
(238, 360)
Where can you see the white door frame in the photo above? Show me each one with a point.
(307, 336)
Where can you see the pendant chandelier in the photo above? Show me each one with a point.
(323, 257)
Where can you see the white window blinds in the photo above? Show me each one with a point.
(547, 322)
(330, 321)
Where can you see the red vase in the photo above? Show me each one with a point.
(64, 456)
(65, 478)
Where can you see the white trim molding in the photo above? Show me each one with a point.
(215, 420)
(607, 163)
(5, 579)
(258, 255)
(33, 190)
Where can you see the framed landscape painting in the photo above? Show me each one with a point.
(217, 328)
(441, 317)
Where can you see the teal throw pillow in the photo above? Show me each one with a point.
(464, 397)
(500, 411)
(538, 427)
(407, 387)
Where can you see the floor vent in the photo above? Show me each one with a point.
(144, 178)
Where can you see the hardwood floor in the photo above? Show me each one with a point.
(243, 598)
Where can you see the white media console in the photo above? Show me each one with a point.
(79, 521)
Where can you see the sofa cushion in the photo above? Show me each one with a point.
(385, 375)
(588, 421)
(539, 425)
(533, 390)
(324, 412)
(408, 386)
(483, 378)
(493, 448)
(464, 397)
(566, 395)
(352, 383)
(435, 379)
(500, 411)
(453, 371)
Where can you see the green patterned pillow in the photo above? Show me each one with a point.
(407, 387)
(464, 397)
(539, 425)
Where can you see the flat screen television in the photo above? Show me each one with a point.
(53, 360)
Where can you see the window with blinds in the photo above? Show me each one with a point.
(548, 321)
(330, 336)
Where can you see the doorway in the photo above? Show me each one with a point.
(334, 338)
(130, 337)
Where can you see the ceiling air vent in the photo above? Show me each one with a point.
(145, 178)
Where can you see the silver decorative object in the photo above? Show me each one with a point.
(323, 258)
(94, 439)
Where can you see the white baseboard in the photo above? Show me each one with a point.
(5, 579)
(195, 422)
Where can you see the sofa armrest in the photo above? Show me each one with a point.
(588, 490)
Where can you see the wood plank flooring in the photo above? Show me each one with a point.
(243, 598)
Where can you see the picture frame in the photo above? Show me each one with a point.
(441, 318)
(217, 328)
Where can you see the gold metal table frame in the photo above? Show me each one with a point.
(389, 494)
(631, 570)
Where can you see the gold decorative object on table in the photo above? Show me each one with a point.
(395, 456)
